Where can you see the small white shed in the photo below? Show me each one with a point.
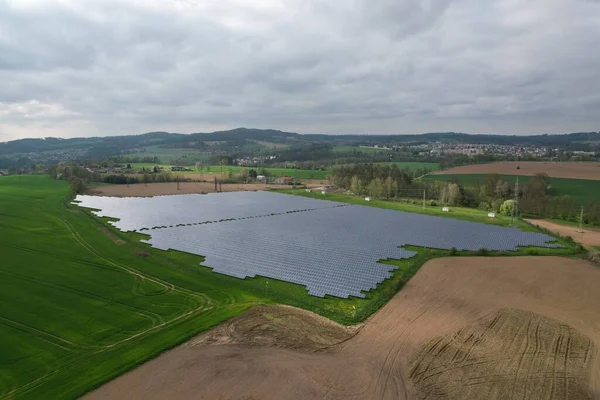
(367, 199)
(492, 215)
(446, 209)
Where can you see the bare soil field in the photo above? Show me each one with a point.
(462, 328)
(572, 170)
(159, 189)
(587, 237)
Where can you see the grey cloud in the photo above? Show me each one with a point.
(311, 66)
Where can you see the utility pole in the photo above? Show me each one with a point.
(516, 205)
(423, 199)
(581, 221)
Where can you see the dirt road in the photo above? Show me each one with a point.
(160, 189)
(573, 170)
(493, 328)
(587, 237)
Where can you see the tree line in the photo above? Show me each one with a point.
(494, 194)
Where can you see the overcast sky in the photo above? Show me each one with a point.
(108, 67)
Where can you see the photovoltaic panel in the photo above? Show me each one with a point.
(135, 213)
(330, 248)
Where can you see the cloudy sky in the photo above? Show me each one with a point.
(110, 67)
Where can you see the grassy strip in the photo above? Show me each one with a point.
(462, 213)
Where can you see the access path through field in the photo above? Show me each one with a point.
(172, 188)
(587, 237)
(498, 306)
(570, 170)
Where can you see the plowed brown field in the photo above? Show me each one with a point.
(160, 189)
(572, 170)
(462, 328)
(587, 237)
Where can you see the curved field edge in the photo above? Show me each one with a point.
(224, 297)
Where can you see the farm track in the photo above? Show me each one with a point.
(45, 335)
(155, 318)
(494, 328)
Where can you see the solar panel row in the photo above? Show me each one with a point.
(330, 248)
(136, 213)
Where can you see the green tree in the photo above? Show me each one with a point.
(451, 194)
(537, 186)
(502, 189)
(376, 188)
(490, 183)
(146, 179)
(77, 186)
(508, 207)
(356, 185)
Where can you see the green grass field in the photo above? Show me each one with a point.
(579, 189)
(81, 303)
(413, 165)
(167, 155)
(463, 213)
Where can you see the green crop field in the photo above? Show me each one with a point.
(579, 189)
(81, 303)
(414, 165)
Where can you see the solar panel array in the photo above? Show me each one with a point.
(136, 213)
(331, 249)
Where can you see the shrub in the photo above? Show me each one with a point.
(453, 251)
(594, 257)
(496, 203)
(569, 239)
(484, 205)
(482, 252)
(507, 207)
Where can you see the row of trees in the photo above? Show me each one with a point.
(492, 194)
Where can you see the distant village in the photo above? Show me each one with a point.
(438, 149)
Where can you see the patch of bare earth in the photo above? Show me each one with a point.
(507, 355)
(171, 188)
(277, 326)
(587, 237)
(473, 327)
(571, 170)
(112, 236)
